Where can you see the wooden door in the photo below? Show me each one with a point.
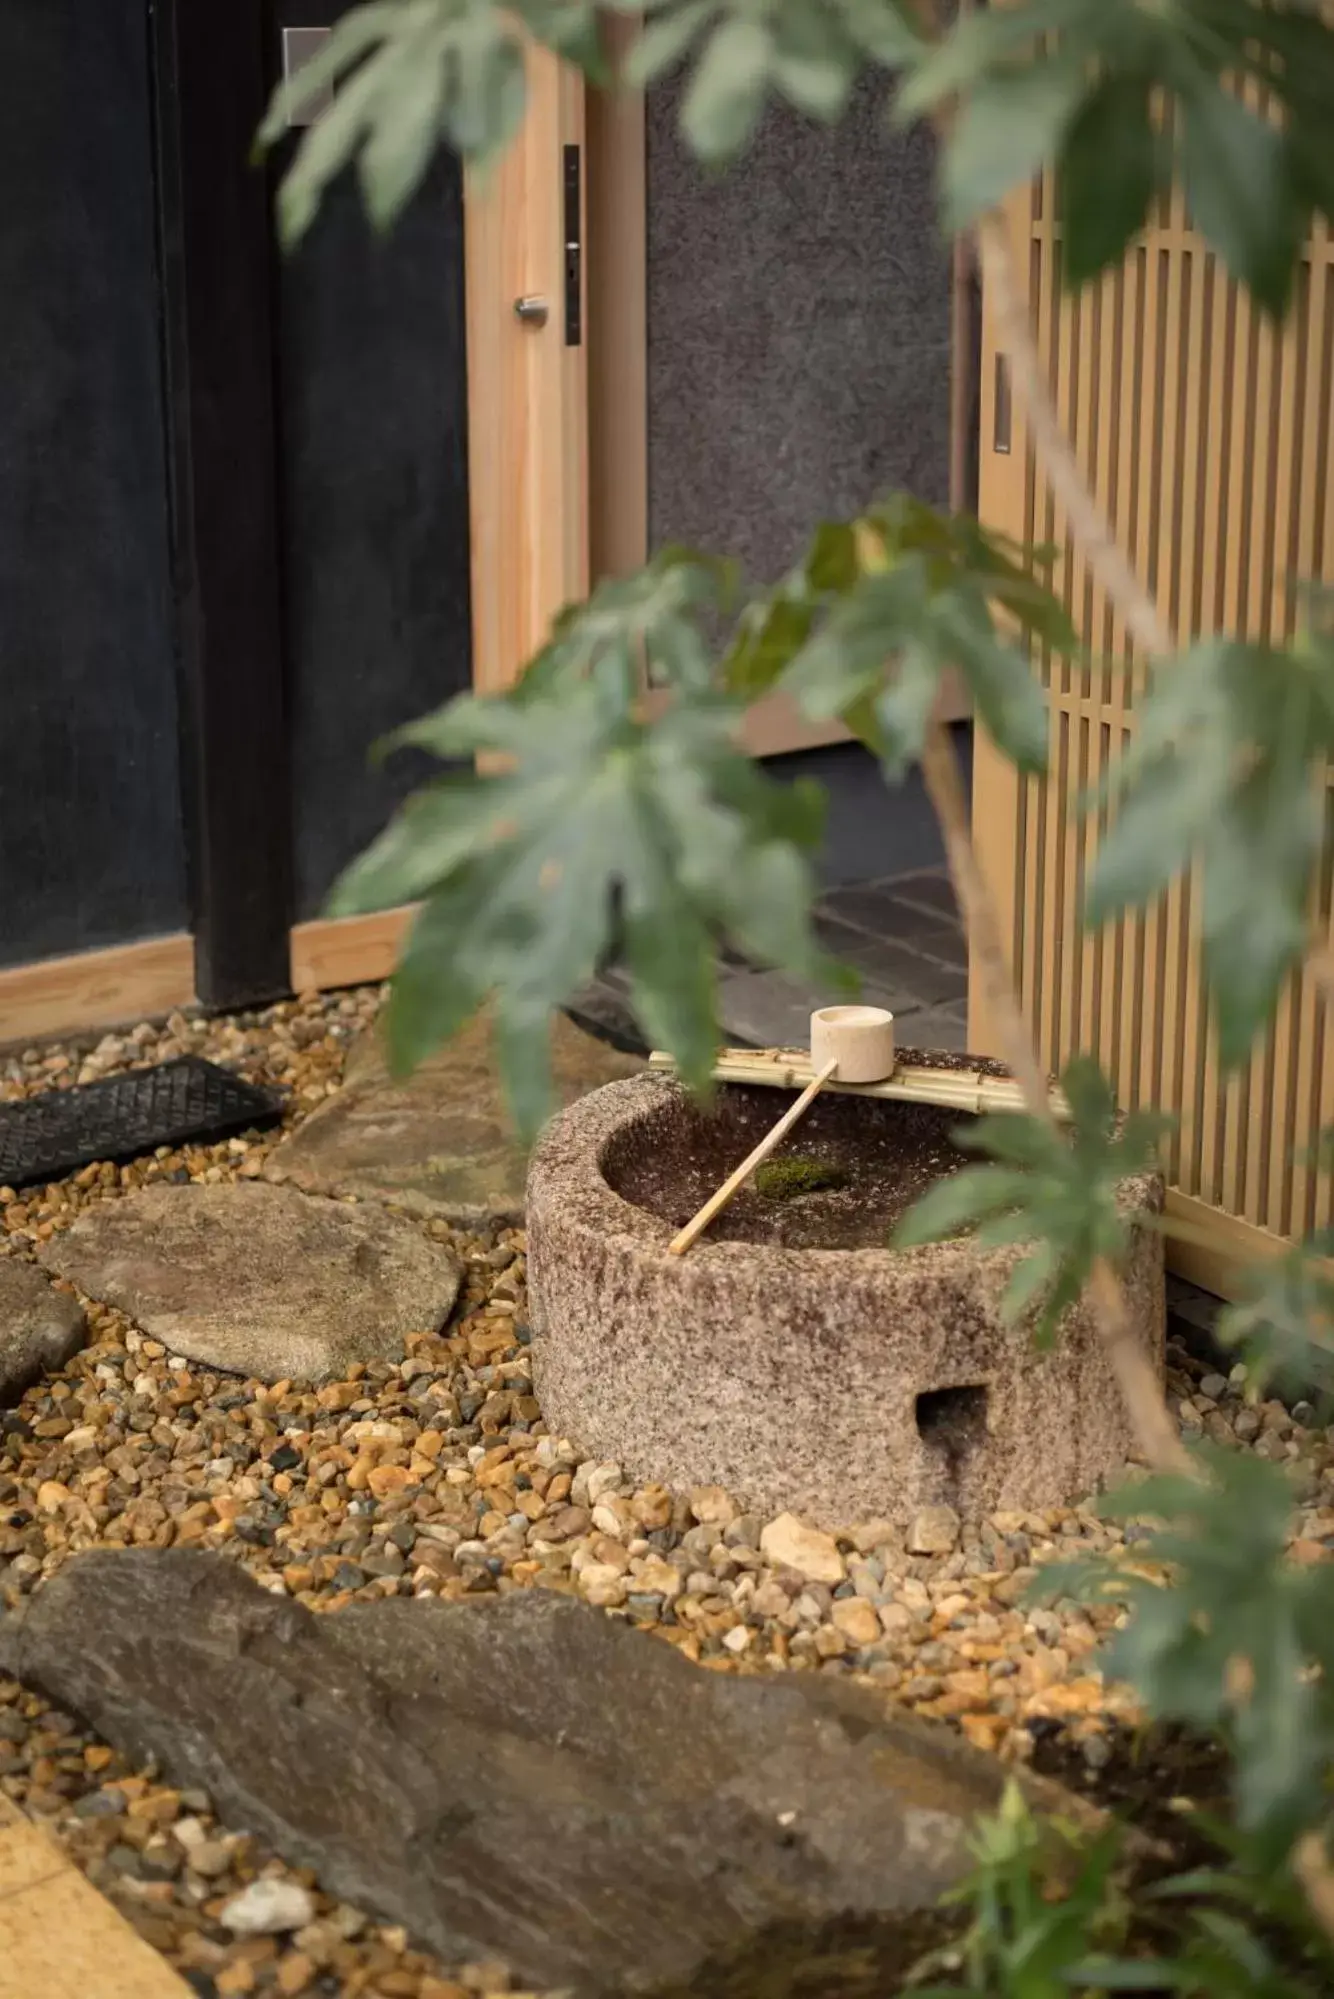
(1205, 434)
(527, 379)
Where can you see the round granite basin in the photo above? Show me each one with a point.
(791, 1356)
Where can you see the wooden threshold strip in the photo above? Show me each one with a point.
(61, 1939)
(55, 996)
(348, 950)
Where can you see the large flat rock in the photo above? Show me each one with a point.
(524, 1777)
(260, 1281)
(440, 1143)
(40, 1327)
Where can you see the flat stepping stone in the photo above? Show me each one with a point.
(526, 1778)
(40, 1327)
(439, 1144)
(260, 1281)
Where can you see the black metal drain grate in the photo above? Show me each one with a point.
(187, 1101)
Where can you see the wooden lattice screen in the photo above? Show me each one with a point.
(1206, 435)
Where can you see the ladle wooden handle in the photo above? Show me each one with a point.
(719, 1199)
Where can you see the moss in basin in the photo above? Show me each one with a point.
(785, 1179)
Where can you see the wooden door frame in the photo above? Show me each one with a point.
(618, 419)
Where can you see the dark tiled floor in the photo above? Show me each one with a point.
(901, 935)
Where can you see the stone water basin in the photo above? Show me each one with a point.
(792, 1356)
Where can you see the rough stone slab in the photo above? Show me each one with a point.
(439, 1144)
(767, 1009)
(40, 1327)
(523, 1777)
(835, 1384)
(260, 1281)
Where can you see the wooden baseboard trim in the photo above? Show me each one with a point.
(1219, 1263)
(129, 982)
(58, 1936)
(348, 950)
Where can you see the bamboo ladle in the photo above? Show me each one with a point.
(854, 1043)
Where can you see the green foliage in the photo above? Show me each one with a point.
(1223, 769)
(1057, 1913)
(1283, 1323)
(413, 73)
(1072, 82)
(1055, 1189)
(1248, 1930)
(600, 826)
(588, 829)
(410, 75)
(1225, 1634)
(1110, 168)
(880, 608)
(1042, 1898)
(786, 1179)
(802, 52)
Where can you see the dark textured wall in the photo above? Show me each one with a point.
(90, 826)
(798, 315)
(373, 414)
(871, 828)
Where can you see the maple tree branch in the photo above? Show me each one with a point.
(1135, 1373)
(1311, 1865)
(1061, 468)
(1140, 1386)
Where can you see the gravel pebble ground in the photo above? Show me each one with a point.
(436, 1477)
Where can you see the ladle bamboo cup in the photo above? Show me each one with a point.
(854, 1043)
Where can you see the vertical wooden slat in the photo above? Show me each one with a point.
(1000, 801)
(1294, 1202)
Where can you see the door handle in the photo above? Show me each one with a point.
(1002, 408)
(532, 310)
(573, 213)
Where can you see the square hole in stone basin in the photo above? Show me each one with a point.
(952, 1420)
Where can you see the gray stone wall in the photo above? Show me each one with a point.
(799, 329)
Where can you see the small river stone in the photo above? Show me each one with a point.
(268, 1907)
(857, 1620)
(40, 1327)
(790, 1544)
(935, 1531)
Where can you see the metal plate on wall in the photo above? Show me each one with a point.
(300, 46)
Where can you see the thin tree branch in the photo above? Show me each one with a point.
(1311, 1865)
(1135, 1374)
(1137, 1380)
(1060, 466)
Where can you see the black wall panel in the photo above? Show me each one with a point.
(373, 413)
(91, 849)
